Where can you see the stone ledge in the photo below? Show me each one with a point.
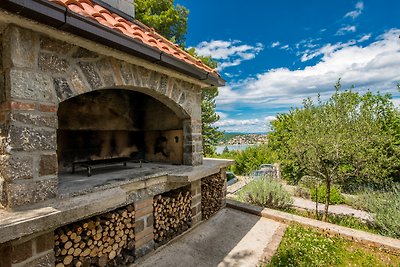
(209, 167)
(52, 214)
(365, 238)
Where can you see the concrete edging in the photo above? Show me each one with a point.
(389, 244)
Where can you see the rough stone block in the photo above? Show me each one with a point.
(5, 259)
(21, 252)
(92, 77)
(196, 219)
(46, 260)
(149, 221)
(163, 84)
(106, 72)
(52, 63)
(126, 73)
(78, 83)
(40, 120)
(20, 48)
(84, 53)
(144, 249)
(139, 226)
(56, 46)
(63, 90)
(48, 165)
(31, 85)
(29, 139)
(44, 242)
(31, 191)
(15, 166)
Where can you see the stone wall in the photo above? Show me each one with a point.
(35, 250)
(39, 73)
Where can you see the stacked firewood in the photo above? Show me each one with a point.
(104, 240)
(172, 215)
(212, 193)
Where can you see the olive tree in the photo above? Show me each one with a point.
(348, 138)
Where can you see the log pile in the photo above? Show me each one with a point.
(104, 240)
(172, 215)
(212, 194)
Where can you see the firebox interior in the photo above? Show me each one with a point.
(117, 123)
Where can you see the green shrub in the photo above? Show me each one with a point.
(251, 158)
(336, 195)
(266, 192)
(385, 209)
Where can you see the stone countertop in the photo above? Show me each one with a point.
(97, 198)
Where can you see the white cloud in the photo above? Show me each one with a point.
(346, 29)
(228, 53)
(275, 44)
(325, 50)
(373, 66)
(364, 38)
(284, 47)
(357, 12)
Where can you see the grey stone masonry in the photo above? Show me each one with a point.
(40, 72)
(196, 202)
(144, 237)
(34, 250)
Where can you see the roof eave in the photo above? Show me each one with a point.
(60, 17)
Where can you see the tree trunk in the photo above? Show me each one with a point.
(316, 202)
(327, 198)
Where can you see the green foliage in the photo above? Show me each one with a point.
(266, 192)
(305, 247)
(168, 19)
(251, 158)
(335, 198)
(210, 133)
(385, 209)
(351, 137)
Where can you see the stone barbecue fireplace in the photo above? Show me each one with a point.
(116, 123)
(100, 131)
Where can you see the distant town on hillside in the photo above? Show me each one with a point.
(243, 138)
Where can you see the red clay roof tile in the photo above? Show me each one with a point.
(136, 30)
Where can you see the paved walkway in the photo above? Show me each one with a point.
(229, 238)
(335, 209)
(306, 203)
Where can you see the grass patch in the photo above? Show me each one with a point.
(306, 247)
(342, 220)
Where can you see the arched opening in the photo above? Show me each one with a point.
(110, 124)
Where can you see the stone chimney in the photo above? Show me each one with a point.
(125, 6)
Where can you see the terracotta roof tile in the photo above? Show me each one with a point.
(136, 30)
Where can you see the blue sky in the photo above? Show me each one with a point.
(273, 54)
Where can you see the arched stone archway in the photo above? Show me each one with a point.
(39, 74)
(119, 123)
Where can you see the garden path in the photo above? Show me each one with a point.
(306, 204)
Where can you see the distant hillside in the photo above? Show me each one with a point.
(242, 138)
